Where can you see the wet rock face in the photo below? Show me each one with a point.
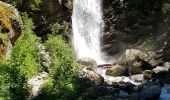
(11, 27)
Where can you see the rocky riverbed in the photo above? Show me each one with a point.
(135, 76)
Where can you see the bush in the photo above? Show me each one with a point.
(138, 8)
(63, 66)
(25, 60)
(59, 28)
(4, 81)
(28, 4)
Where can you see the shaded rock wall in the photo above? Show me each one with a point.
(51, 11)
(148, 31)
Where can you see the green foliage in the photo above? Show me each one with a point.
(31, 4)
(63, 65)
(58, 28)
(4, 81)
(150, 41)
(25, 52)
(138, 8)
(3, 36)
(25, 59)
(34, 5)
(14, 2)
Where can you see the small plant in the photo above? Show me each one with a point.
(34, 5)
(58, 28)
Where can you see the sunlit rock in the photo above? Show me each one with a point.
(45, 57)
(95, 78)
(139, 61)
(162, 73)
(147, 56)
(116, 70)
(166, 64)
(160, 69)
(35, 83)
(137, 78)
(131, 54)
(87, 62)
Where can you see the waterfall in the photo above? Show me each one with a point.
(88, 26)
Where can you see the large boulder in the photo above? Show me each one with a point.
(11, 27)
(95, 78)
(162, 73)
(139, 61)
(145, 56)
(87, 62)
(160, 69)
(131, 54)
(116, 70)
(136, 68)
(11, 20)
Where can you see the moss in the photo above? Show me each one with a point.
(5, 16)
(147, 75)
(136, 68)
(4, 81)
(118, 71)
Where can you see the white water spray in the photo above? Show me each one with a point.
(88, 26)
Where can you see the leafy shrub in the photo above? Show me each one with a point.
(137, 8)
(58, 28)
(25, 60)
(4, 81)
(63, 66)
(30, 4)
(34, 5)
(14, 2)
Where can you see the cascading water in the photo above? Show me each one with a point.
(87, 26)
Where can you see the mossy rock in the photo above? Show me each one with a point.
(116, 70)
(147, 74)
(136, 68)
(10, 28)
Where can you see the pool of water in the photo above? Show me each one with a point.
(165, 92)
